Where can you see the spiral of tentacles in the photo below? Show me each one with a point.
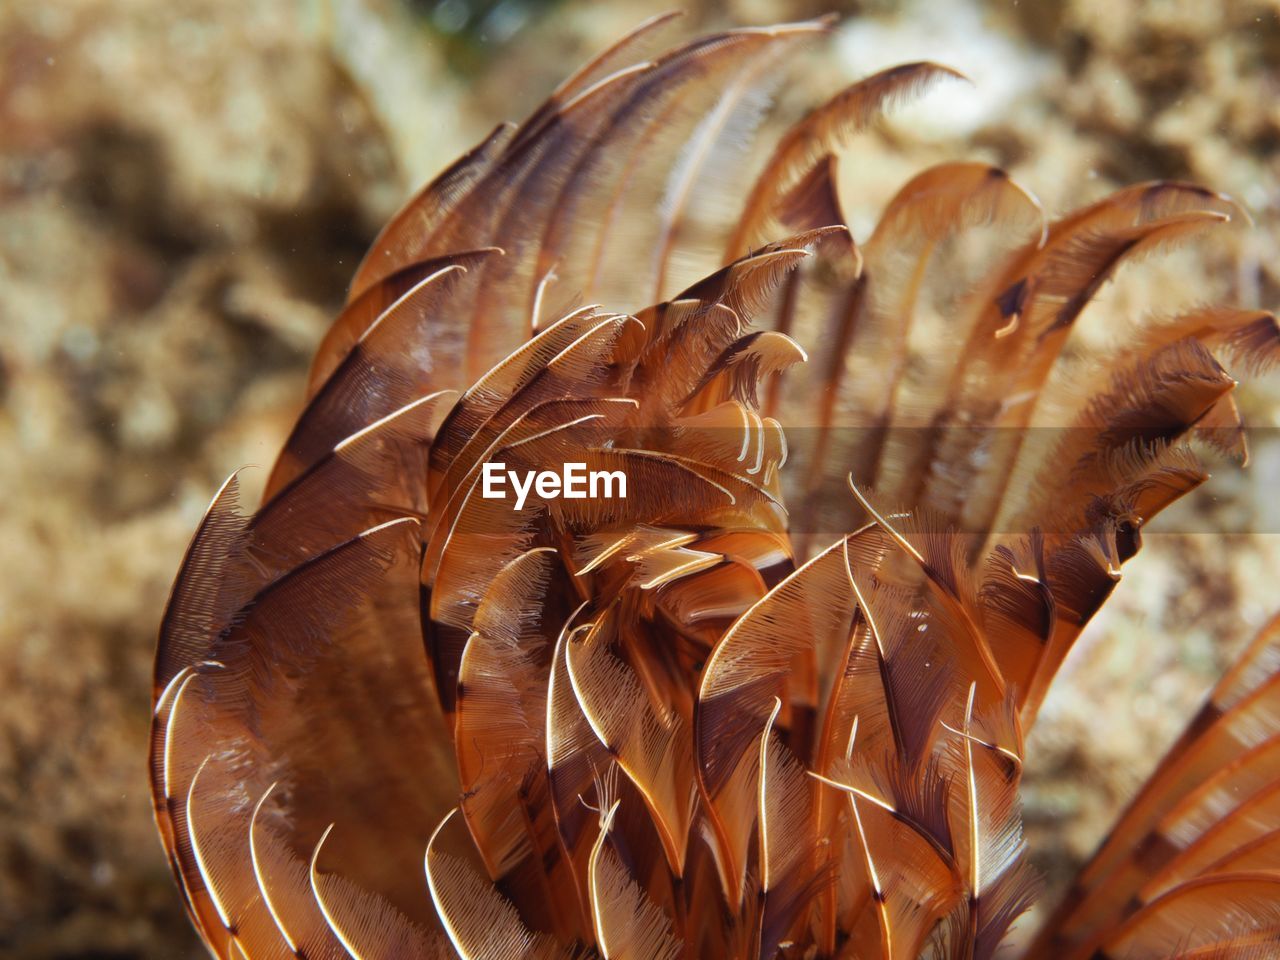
(772, 702)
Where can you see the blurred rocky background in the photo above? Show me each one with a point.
(186, 186)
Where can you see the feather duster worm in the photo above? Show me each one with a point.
(732, 714)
